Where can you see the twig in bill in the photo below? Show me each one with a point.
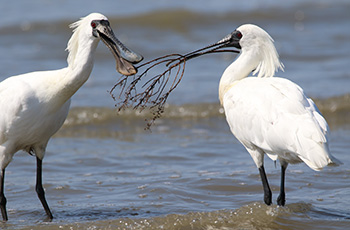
(155, 91)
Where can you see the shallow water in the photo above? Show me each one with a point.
(201, 178)
(104, 171)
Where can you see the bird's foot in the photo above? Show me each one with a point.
(281, 200)
(268, 198)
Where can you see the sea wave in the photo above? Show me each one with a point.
(183, 16)
(336, 110)
(251, 216)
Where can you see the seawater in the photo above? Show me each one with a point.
(103, 170)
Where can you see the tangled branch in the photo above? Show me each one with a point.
(155, 91)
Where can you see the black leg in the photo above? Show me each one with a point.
(267, 190)
(39, 188)
(2, 197)
(281, 200)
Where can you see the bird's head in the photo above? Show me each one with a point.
(96, 26)
(253, 41)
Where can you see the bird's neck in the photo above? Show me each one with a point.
(80, 64)
(235, 72)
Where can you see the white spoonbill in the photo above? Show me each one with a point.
(33, 106)
(269, 115)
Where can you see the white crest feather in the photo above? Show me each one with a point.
(262, 43)
(73, 43)
(270, 60)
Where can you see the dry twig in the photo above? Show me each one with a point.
(155, 91)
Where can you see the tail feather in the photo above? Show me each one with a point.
(317, 155)
(334, 161)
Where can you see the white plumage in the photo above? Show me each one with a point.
(268, 114)
(33, 106)
(273, 115)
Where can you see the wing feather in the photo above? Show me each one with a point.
(274, 114)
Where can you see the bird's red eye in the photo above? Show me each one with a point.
(93, 24)
(238, 34)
